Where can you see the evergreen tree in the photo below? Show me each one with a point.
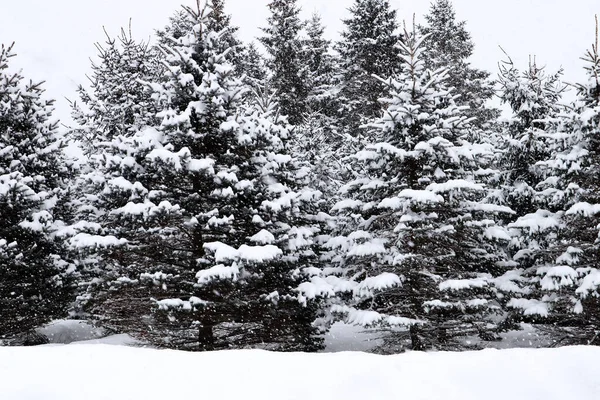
(450, 46)
(287, 67)
(220, 22)
(368, 47)
(203, 216)
(317, 138)
(523, 182)
(321, 67)
(418, 244)
(534, 99)
(35, 282)
(117, 102)
(252, 68)
(178, 26)
(570, 280)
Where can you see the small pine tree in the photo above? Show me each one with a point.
(570, 281)
(252, 68)
(117, 102)
(35, 282)
(368, 47)
(286, 64)
(220, 22)
(321, 68)
(450, 46)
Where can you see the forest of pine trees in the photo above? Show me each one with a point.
(242, 195)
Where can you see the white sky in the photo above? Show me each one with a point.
(55, 38)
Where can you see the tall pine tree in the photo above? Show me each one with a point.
(417, 243)
(524, 183)
(117, 102)
(202, 217)
(368, 47)
(289, 75)
(35, 282)
(450, 46)
(570, 280)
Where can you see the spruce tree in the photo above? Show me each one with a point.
(450, 46)
(287, 67)
(35, 285)
(220, 22)
(417, 243)
(321, 67)
(203, 214)
(526, 185)
(252, 68)
(117, 102)
(524, 147)
(317, 138)
(570, 280)
(368, 47)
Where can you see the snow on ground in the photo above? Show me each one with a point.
(68, 331)
(101, 372)
(343, 337)
(121, 339)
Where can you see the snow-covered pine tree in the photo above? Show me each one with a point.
(450, 46)
(417, 245)
(321, 68)
(179, 24)
(220, 22)
(367, 48)
(524, 184)
(116, 102)
(524, 143)
(207, 213)
(316, 138)
(252, 67)
(288, 69)
(35, 282)
(570, 282)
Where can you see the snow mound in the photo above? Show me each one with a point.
(101, 372)
(68, 331)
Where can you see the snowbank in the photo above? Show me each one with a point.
(101, 372)
(68, 331)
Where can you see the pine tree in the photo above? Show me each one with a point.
(287, 67)
(317, 138)
(35, 282)
(534, 98)
(203, 214)
(450, 46)
(321, 67)
(570, 281)
(220, 22)
(368, 47)
(117, 102)
(417, 243)
(525, 186)
(108, 115)
(252, 68)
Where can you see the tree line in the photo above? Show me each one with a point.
(233, 198)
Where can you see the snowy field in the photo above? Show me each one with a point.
(103, 372)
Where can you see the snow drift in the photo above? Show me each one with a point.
(102, 372)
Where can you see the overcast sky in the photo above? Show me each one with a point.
(55, 38)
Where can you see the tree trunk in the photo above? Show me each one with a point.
(206, 338)
(416, 342)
